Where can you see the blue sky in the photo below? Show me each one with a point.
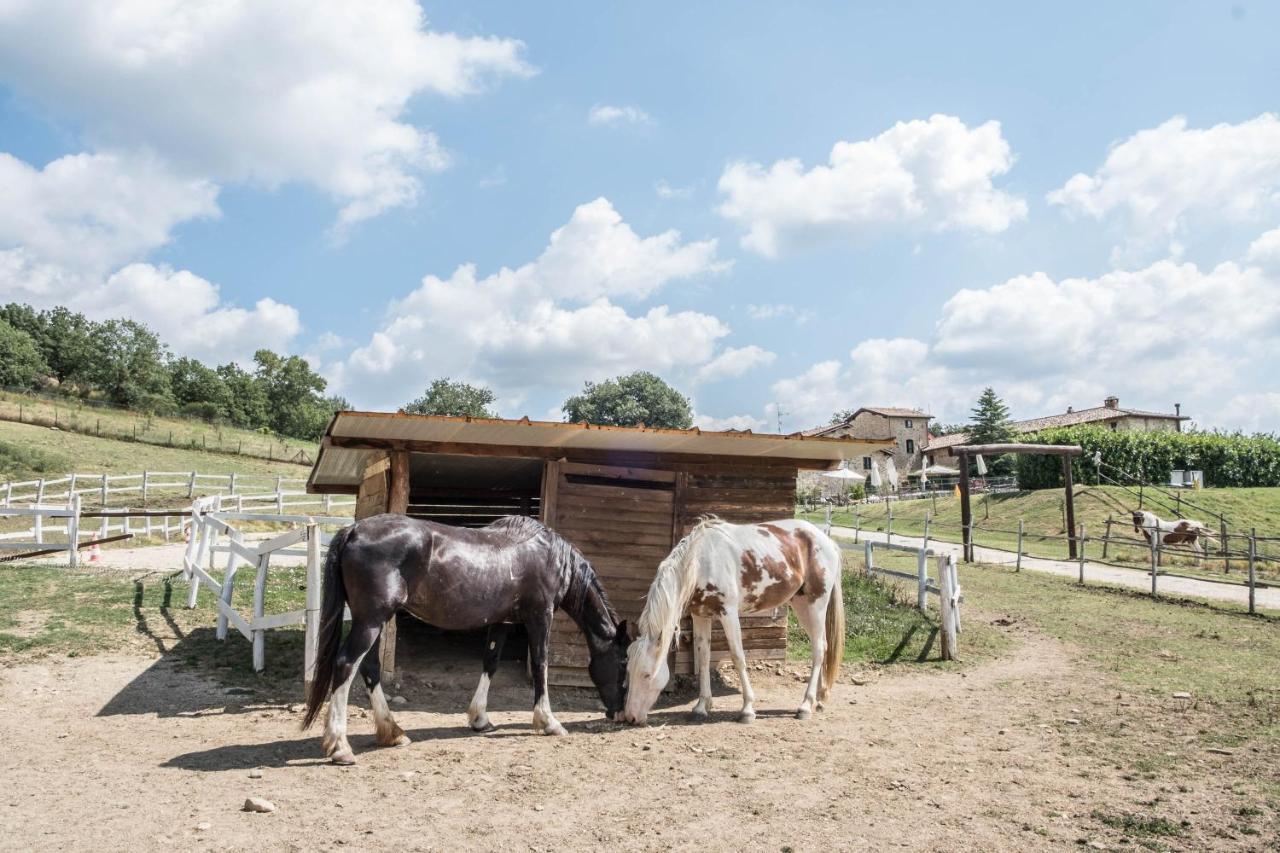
(1060, 205)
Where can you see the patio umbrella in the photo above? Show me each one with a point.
(982, 465)
(924, 476)
(875, 476)
(843, 477)
(891, 473)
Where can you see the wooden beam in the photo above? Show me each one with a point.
(1071, 509)
(398, 491)
(997, 449)
(604, 457)
(966, 515)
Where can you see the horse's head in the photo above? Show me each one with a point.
(647, 674)
(1139, 519)
(608, 670)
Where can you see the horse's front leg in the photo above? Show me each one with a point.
(702, 648)
(733, 636)
(477, 713)
(539, 641)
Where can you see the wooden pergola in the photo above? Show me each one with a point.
(1066, 451)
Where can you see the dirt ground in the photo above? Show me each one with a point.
(146, 752)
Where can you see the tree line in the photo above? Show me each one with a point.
(124, 363)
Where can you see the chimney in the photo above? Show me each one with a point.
(1070, 409)
(1177, 409)
(1112, 402)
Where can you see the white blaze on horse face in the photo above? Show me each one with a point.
(647, 674)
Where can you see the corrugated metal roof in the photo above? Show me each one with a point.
(340, 465)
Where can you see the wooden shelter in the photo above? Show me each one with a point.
(623, 495)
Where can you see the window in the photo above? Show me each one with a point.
(908, 424)
(866, 463)
(911, 446)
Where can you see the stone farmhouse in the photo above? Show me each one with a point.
(909, 428)
(938, 450)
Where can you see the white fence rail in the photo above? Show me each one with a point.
(213, 534)
(254, 490)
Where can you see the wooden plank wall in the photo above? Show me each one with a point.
(626, 530)
(622, 521)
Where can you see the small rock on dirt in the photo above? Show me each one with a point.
(255, 773)
(1182, 695)
(1071, 721)
(399, 700)
(258, 804)
(203, 826)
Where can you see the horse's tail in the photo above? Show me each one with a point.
(835, 633)
(335, 600)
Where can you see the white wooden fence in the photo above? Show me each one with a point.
(252, 491)
(214, 534)
(947, 586)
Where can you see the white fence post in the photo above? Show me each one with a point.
(73, 531)
(1080, 550)
(191, 486)
(826, 524)
(8, 493)
(922, 580)
(1017, 567)
(228, 583)
(869, 558)
(928, 519)
(259, 610)
(1155, 560)
(948, 606)
(71, 487)
(146, 481)
(888, 528)
(1253, 559)
(279, 500)
(312, 619)
(231, 483)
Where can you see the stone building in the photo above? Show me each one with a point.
(908, 428)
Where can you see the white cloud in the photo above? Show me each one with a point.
(779, 310)
(88, 213)
(734, 362)
(608, 115)
(931, 175)
(738, 422)
(264, 92)
(1265, 251)
(1169, 332)
(667, 191)
(550, 323)
(1160, 182)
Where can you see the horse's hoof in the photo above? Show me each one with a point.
(556, 730)
(343, 758)
(484, 728)
(803, 714)
(699, 715)
(747, 717)
(402, 740)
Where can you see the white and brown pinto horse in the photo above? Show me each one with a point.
(723, 571)
(1184, 531)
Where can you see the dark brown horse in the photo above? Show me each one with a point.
(513, 571)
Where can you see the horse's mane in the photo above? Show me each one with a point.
(578, 580)
(672, 586)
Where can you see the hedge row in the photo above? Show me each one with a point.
(1226, 459)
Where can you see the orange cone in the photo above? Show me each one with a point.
(95, 553)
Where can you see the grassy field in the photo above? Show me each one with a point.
(70, 415)
(996, 520)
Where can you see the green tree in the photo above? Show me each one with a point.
(841, 416)
(66, 339)
(193, 382)
(246, 401)
(639, 398)
(129, 366)
(454, 398)
(21, 364)
(292, 391)
(990, 425)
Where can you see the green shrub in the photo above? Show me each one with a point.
(1227, 459)
(22, 463)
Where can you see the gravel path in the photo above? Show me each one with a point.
(1266, 597)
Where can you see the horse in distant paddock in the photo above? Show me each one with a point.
(456, 578)
(721, 571)
(1184, 531)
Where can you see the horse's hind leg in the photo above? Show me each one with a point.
(477, 713)
(733, 636)
(388, 733)
(357, 644)
(812, 615)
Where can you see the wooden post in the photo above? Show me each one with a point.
(1080, 549)
(1155, 540)
(146, 481)
(398, 502)
(8, 493)
(868, 557)
(1017, 566)
(231, 484)
(826, 524)
(927, 519)
(311, 621)
(259, 608)
(1106, 538)
(71, 487)
(888, 530)
(1253, 559)
(966, 516)
(857, 522)
(191, 486)
(73, 532)
(39, 519)
(102, 493)
(1225, 547)
(1070, 505)
(946, 606)
(922, 580)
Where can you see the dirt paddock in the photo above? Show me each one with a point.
(142, 752)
